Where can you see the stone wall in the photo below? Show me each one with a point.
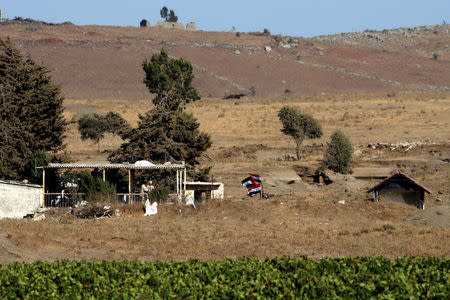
(169, 25)
(18, 199)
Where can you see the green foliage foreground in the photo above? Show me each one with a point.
(360, 278)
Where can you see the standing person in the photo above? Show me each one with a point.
(150, 186)
(144, 192)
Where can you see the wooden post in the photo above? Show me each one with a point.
(104, 175)
(129, 185)
(42, 204)
(184, 188)
(177, 185)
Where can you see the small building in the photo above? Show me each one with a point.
(18, 199)
(399, 187)
(145, 23)
(170, 25)
(191, 26)
(210, 190)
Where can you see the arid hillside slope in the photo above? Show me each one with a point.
(100, 62)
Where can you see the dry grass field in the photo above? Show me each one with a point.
(300, 219)
(377, 87)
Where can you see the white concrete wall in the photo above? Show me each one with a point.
(18, 199)
(219, 193)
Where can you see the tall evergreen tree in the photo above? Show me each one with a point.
(166, 133)
(31, 111)
(170, 80)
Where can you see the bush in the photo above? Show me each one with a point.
(159, 194)
(339, 153)
(104, 191)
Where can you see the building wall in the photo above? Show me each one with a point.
(176, 25)
(408, 197)
(17, 199)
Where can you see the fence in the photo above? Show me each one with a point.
(62, 199)
(66, 199)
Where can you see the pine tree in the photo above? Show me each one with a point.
(31, 111)
(166, 133)
(170, 80)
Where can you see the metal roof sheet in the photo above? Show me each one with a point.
(112, 166)
(396, 174)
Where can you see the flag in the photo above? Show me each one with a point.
(252, 184)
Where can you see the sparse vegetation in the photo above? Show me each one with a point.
(252, 90)
(299, 126)
(435, 56)
(339, 153)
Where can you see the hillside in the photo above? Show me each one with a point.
(101, 62)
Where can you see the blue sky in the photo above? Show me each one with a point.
(290, 17)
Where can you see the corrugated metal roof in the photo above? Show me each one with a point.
(396, 174)
(112, 166)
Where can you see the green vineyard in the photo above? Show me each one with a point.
(361, 277)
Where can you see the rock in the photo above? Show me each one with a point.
(357, 152)
(39, 218)
(237, 52)
(267, 48)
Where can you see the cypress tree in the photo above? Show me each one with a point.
(31, 111)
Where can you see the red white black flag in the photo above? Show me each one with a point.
(253, 184)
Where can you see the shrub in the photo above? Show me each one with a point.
(339, 153)
(104, 191)
(159, 194)
(266, 31)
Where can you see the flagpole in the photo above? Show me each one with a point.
(261, 192)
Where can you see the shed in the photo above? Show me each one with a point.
(18, 199)
(145, 23)
(211, 190)
(399, 187)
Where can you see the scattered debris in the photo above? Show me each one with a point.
(339, 201)
(39, 218)
(93, 211)
(398, 146)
